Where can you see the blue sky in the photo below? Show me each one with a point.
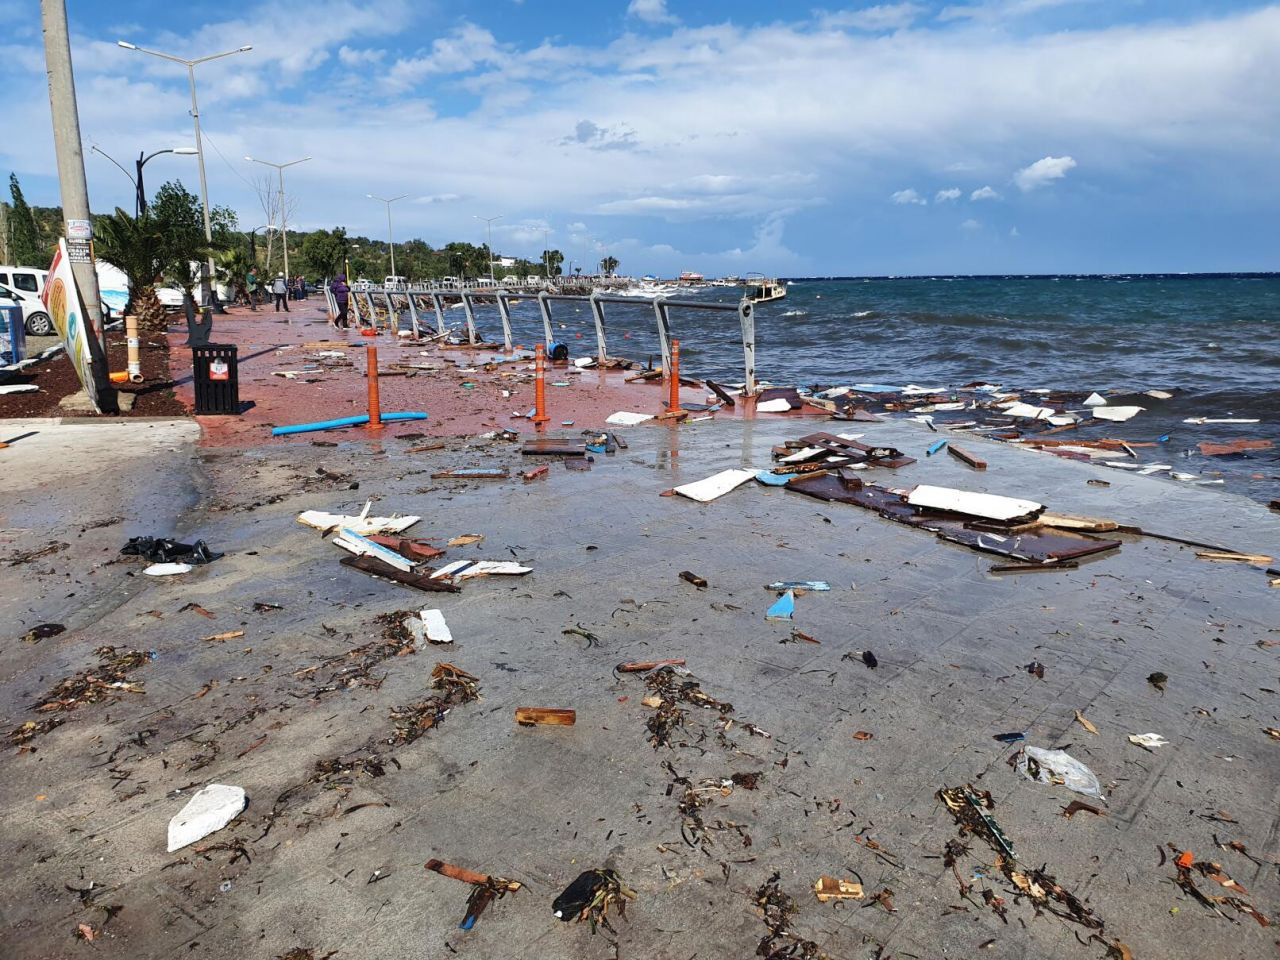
(973, 136)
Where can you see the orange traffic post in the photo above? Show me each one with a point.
(540, 384)
(375, 402)
(674, 406)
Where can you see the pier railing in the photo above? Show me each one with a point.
(373, 304)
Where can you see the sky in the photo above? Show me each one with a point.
(722, 136)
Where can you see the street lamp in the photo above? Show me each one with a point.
(253, 247)
(390, 242)
(284, 215)
(206, 269)
(140, 197)
(489, 241)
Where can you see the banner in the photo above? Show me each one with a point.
(62, 299)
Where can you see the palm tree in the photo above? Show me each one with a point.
(136, 246)
(234, 266)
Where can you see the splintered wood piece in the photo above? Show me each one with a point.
(545, 716)
(644, 666)
(965, 457)
(454, 872)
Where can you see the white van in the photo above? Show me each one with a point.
(395, 283)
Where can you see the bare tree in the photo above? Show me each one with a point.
(267, 188)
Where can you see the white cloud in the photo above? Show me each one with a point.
(885, 16)
(992, 10)
(651, 11)
(984, 193)
(466, 48)
(1043, 172)
(947, 195)
(1013, 232)
(908, 196)
(437, 198)
(971, 225)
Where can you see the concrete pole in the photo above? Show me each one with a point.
(206, 269)
(70, 152)
(284, 227)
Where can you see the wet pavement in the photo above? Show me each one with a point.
(306, 709)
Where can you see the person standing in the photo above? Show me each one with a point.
(340, 292)
(251, 289)
(280, 289)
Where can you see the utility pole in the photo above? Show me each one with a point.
(73, 186)
(391, 244)
(206, 268)
(488, 221)
(284, 214)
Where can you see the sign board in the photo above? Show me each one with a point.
(62, 299)
(79, 230)
(79, 251)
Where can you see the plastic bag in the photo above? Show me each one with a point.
(1058, 766)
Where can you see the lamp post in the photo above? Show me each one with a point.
(284, 215)
(253, 247)
(140, 193)
(206, 268)
(390, 241)
(488, 221)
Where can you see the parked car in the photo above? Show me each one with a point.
(35, 319)
(395, 283)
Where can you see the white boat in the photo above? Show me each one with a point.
(761, 289)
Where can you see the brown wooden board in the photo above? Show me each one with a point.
(421, 581)
(720, 392)
(553, 447)
(965, 457)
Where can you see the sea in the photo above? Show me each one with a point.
(1211, 339)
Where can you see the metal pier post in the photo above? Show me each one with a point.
(544, 305)
(664, 331)
(471, 317)
(597, 311)
(746, 314)
(504, 311)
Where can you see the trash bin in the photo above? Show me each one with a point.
(13, 336)
(216, 378)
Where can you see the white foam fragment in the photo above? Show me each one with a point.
(363, 524)
(624, 419)
(1095, 400)
(1117, 414)
(167, 569)
(1028, 411)
(436, 629)
(207, 812)
(780, 405)
(465, 569)
(988, 505)
(704, 491)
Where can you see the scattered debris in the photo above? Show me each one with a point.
(486, 888)
(466, 569)
(625, 419)
(1148, 741)
(1158, 680)
(106, 682)
(167, 569)
(783, 608)
(690, 577)
(43, 631)
(713, 487)
(1079, 806)
(644, 666)
(1084, 722)
(1057, 767)
(207, 812)
(590, 896)
(169, 552)
(362, 524)
(545, 716)
(830, 888)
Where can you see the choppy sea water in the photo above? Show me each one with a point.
(1215, 338)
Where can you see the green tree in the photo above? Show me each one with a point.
(180, 217)
(608, 265)
(136, 247)
(552, 261)
(25, 247)
(323, 251)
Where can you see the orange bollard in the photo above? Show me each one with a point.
(674, 406)
(375, 402)
(540, 384)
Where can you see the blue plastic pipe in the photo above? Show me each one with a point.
(344, 422)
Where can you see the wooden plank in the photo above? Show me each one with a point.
(545, 716)
(644, 666)
(1034, 567)
(720, 392)
(421, 581)
(965, 457)
(1067, 521)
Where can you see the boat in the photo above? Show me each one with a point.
(688, 276)
(761, 289)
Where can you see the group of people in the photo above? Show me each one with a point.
(281, 289)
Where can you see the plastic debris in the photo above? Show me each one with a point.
(590, 896)
(1117, 414)
(486, 888)
(1148, 741)
(986, 505)
(208, 811)
(161, 550)
(815, 586)
(783, 608)
(1057, 767)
